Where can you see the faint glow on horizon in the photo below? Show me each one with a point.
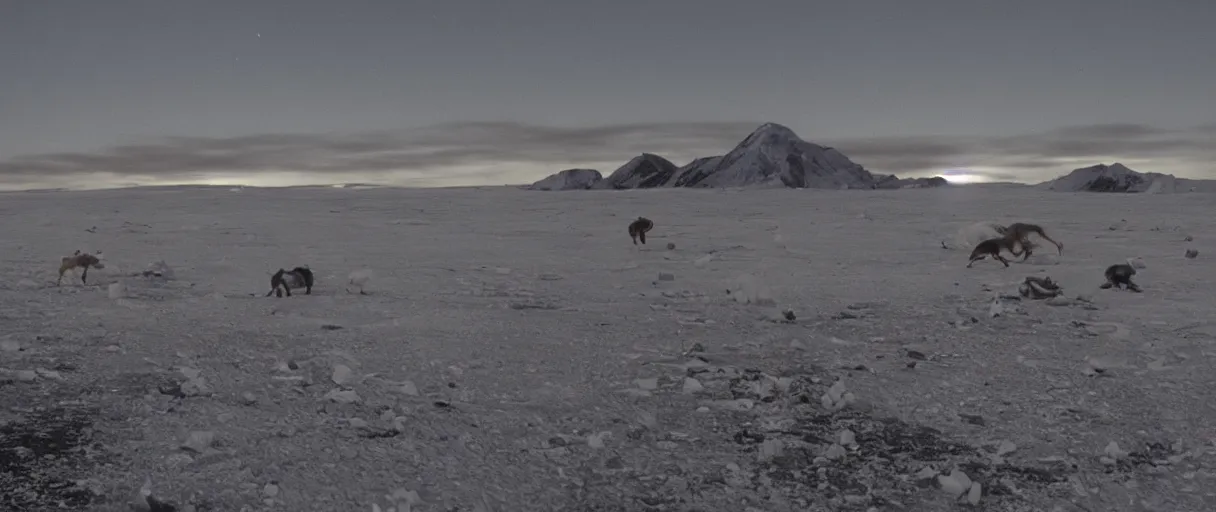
(521, 173)
(964, 179)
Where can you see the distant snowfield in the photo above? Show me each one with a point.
(515, 351)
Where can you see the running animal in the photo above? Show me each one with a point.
(81, 260)
(638, 229)
(1120, 274)
(1020, 232)
(992, 247)
(284, 281)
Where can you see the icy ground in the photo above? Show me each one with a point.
(514, 351)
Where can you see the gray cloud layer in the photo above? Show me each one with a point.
(429, 152)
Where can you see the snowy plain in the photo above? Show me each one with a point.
(514, 351)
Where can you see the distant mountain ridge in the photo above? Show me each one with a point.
(771, 156)
(1119, 178)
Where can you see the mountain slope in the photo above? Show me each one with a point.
(1119, 178)
(569, 179)
(644, 171)
(771, 156)
(774, 155)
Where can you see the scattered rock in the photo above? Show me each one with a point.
(7, 375)
(341, 374)
(649, 384)
(1113, 451)
(596, 440)
(1188, 238)
(160, 270)
(1059, 301)
(692, 385)
(671, 246)
(270, 490)
(117, 290)
(358, 280)
(789, 315)
(995, 309)
(664, 276)
(408, 388)
(973, 419)
(770, 449)
(330, 327)
(343, 396)
(836, 397)
(974, 495)
(1005, 448)
(847, 438)
(48, 374)
(248, 398)
(954, 484)
(834, 452)
(195, 387)
(199, 441)
(1192, 254)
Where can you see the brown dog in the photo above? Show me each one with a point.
(638, 229)
(992, 247)
(1020, 232)
(79, 260)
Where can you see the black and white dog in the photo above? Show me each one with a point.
(284, 281)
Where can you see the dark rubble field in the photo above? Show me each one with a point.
(514, 351)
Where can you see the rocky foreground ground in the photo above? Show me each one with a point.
(513, 354)
(971, 401)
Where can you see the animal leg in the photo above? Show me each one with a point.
(1132, 286)
(84, 276)
(1106, 285)
(1003, 260)
(1059, 246)
(60, 281)
(634, 237)
(974, 259)
(642, 237)
(308, 290)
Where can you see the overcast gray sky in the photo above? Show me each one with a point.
(459, 92)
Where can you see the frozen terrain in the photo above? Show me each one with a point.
(514, 351)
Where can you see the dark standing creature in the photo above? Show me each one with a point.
(79, 260)
(1120, 274)
(992, 248)
(638, 229)
(1020, 232)
(284, 281)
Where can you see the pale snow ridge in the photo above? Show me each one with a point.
(1117, 177)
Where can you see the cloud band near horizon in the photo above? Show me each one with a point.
(493, 153)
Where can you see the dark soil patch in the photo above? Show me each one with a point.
(42, 456)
